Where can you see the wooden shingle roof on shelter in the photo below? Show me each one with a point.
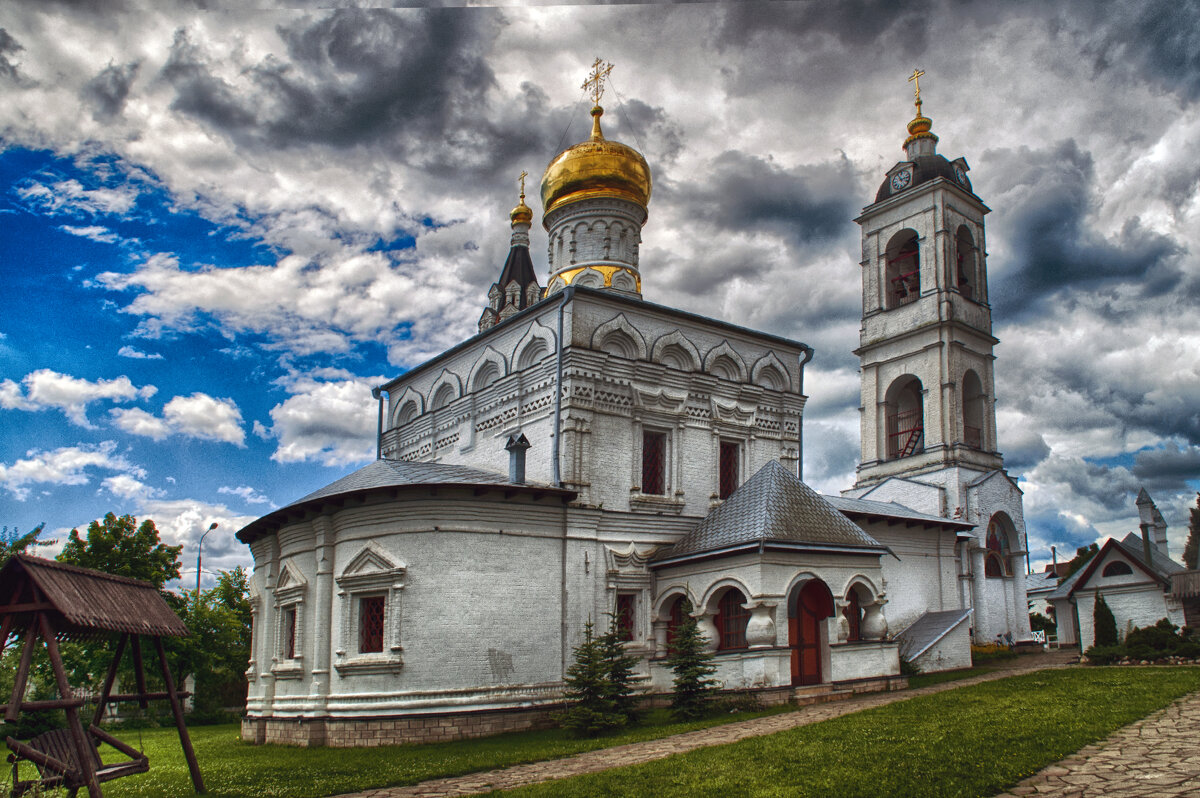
(85, 600)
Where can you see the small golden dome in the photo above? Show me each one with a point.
(596, 168)
(919, 128)
(522, 214)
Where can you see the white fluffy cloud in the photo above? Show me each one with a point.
(71, 197)
(94, 232)
(331, 422)
(196, 416)
(246, 493)
(127, 486)
(137, 354)
(45, 388)
(68, 465)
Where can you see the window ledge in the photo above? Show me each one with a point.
(368, 664)
(653, 503)
(289, 669)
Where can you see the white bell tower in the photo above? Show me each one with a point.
(928, 419)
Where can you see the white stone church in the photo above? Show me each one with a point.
(590, 454)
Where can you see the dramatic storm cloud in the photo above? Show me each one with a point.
(222, 228)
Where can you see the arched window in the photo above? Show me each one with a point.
(905, 418)
(972, 410)
(731, 620)
(444, 396)
(674, 619)
(903, 272)
(966, 258)
(996, 562)
(1116, 568)
(854, 613)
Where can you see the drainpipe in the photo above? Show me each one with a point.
(555, 475)
(808, 355)
(379, 393)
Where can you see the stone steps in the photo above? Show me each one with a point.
(818, 694)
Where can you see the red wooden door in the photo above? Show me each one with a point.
(813, 605)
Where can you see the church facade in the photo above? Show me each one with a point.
(590, 454)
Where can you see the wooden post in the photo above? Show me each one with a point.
(139, 672)
(177, 710)
(109, 679)
(84, 752)
(18, 693)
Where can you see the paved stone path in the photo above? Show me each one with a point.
(636, 753)
(1158, 756)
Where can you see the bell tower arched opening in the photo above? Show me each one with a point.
(972, 410)
(903, 271)
(966, 265)
(905, 418)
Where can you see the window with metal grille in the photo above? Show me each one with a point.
(674, 620)
(289, 633)
(731, 620)
(370, 625)
(654, 462)
(729, 468)
(626, 605)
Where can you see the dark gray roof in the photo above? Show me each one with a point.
(927, 630)
(876, 509)
(773, 506)
(924, 169)
(397, 474)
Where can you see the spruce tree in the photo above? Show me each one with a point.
(1191, 549)
(1104, 623)
(595, 703)
(618, 667)
(693, 666)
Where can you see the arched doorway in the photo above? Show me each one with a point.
(813, 603)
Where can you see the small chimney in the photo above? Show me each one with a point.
(516, 446)
(1054, 556)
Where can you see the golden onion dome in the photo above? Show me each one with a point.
(522, 214)
(596, 168)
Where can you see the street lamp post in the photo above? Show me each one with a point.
(199, 555)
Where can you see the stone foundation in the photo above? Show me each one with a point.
(394, 730)
(444, 727)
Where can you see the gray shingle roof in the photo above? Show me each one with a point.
(773, 505)
(396, 474)
(891, 510)
(927, 630)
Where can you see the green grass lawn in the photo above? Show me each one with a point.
(233, 769)
(972, 741)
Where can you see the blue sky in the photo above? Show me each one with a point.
(219, 229)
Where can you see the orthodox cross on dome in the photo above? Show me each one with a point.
(524, 175)
(915, 78)
(595, 80)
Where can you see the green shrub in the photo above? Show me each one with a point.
(1104, 655)
(598, 685)
(692, 664)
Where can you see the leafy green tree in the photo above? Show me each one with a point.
(1104, 623)
(122, 547)
(693, 667)
(1191, 549)
(1082, 555)
(14, 542)
(218, 648)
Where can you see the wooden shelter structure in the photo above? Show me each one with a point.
(47, 601)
